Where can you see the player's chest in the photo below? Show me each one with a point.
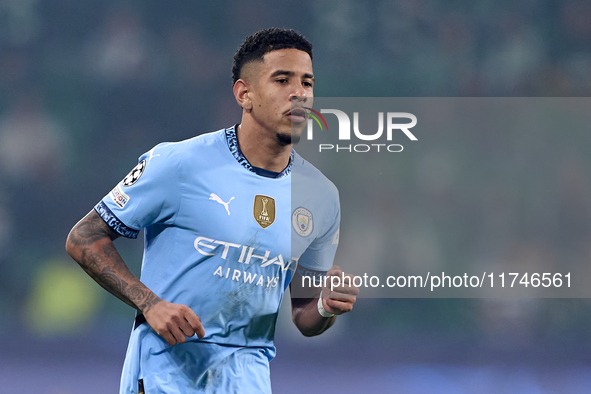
(236, 207)
(250, 211)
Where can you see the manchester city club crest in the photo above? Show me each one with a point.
(263, 210)
(302, 221)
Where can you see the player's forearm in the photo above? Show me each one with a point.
(307, 319)
(90, 243)
(104, 264)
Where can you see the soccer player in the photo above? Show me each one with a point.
(224, 236)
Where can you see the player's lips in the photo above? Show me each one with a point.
(297, 115)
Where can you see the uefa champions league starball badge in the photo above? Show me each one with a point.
(135, 174)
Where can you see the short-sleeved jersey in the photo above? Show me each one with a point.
(222, 239)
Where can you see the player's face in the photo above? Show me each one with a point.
(285, 81)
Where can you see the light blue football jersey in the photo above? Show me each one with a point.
(222, 240)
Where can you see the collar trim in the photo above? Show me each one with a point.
(232, 140)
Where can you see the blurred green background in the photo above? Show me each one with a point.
(86, 87)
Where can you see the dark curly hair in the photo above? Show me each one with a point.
(257, 45)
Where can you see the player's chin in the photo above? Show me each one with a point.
(287, 138)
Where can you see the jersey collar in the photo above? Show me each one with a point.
(232, 140)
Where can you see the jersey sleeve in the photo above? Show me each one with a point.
(319, 256)
(149, 194)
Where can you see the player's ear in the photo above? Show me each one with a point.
(241, 92)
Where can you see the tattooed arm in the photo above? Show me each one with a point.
(90, 243)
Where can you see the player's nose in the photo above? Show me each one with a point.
(299, 95)
(300, 92)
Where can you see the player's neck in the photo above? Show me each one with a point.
(262, 149)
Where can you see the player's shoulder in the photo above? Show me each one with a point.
(306, 176)
(212, 138)
(198, 142)
(180, 151)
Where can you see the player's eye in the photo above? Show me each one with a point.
(307, 84)
(282, 80)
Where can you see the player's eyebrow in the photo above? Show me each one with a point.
(290, 74)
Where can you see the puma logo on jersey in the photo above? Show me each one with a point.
(152, 155)
(216, 198)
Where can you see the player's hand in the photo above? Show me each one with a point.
(343, 295)
(174, 322)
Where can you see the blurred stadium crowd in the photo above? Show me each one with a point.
(86, 87)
